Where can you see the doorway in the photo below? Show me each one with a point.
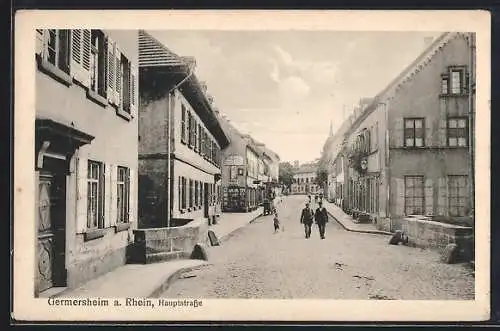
(51, 225)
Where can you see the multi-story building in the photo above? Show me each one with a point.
(304, 180)
(249, 169)
(86, 154)
(409, 151)
(180, 140)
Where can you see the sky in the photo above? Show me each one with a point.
(285, 87)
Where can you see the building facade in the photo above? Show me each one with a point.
(304, 180)
(409, 151)
(180, 140)
(86, 154)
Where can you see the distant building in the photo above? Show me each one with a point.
(86, 154)
(409, 151)
(304, 180)
(180, 140)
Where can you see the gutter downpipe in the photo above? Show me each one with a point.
(171, 95)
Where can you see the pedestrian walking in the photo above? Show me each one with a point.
(276, 222)
(306, 218)
(321, 218)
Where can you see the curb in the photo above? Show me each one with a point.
(230, 234)
(359, 231)
(172, 278)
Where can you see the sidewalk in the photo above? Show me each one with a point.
(135, 280)
(230, 222)
(347, 222)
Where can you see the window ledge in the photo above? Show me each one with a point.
(56, 73)
(93, 234)
(121, 227)
(97, 98)
(122, 113)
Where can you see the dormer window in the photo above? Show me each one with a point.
(455, 81)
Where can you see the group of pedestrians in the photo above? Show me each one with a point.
(308, 217)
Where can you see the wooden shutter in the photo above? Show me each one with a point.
(132, 200)
(81, 194)
(397, 136)
(118, 76)
(40, 42)
(113, 198)
(429, 196)
(134, 99)
(76, 53)
(102, 196)
(428, 133)
(399, 206)
(110, 49)
(86, 53)
(179, 193)
(108, 188)
(442, 196)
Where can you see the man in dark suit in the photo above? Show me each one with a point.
(306, 218)
(321, 217)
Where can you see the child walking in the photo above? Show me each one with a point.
(276, 222)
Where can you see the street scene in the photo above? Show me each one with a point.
(255, 164)
(256, 263)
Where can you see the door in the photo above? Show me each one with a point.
(50, 269)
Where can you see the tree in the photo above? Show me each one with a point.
(286, 173)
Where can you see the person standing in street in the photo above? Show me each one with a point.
(321, 218)
(306, 218)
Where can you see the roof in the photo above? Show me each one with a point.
(157, 60)
(153, 53)
(305, 168)
(423, 59)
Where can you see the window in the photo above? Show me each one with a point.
(56, 48)
(457, 195)
(414, 195)
(414, 132)
(202, 142)
(95, 195)
(183, 124)
(183, 197)
(196, 193)
(191, 193)
(444, 84)
(457, 132)
(98, 63)
(125, 83)
(456, 81)
(123, 194)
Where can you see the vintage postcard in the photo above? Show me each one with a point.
(252, 166)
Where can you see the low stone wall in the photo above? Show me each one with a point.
(162, 244)
(426, 233)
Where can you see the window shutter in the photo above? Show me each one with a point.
(398, 134)
(118, 76)
(428, 141)
(442, 133)
(442, 196)
(400, 197)
(133, 90)
(81, 194)
(40, 42)
(132, 201)
(110, 49)
(86, 51)
(76, 53)
(179, 193)
(429, 197)
(104, 196)
(113, 175)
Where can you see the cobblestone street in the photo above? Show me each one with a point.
(255, 263)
